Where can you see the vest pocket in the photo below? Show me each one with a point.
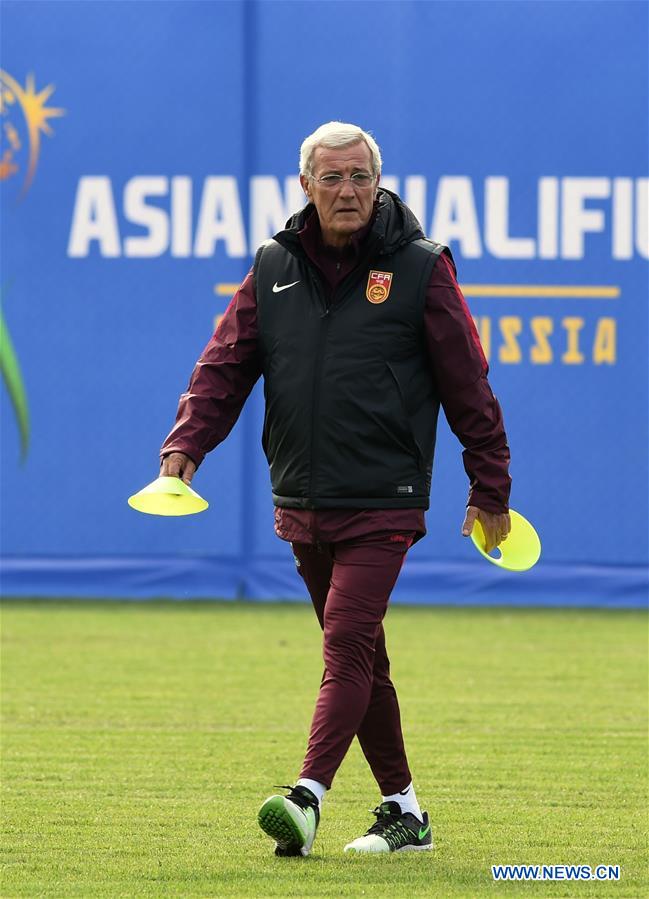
(407, 424)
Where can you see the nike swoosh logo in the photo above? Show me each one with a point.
(278, 289)
(404, 792)
(423, 831)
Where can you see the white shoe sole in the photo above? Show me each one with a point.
(355, 850)
(286, 823)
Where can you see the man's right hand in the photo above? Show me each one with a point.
(178, 465)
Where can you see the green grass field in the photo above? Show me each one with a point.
(140, 739)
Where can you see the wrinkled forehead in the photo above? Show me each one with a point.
(355, 156)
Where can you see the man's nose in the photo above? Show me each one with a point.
(347, 188)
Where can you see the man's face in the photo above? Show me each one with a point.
(345, 208)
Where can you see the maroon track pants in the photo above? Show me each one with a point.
(350, 584)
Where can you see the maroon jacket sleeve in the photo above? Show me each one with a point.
(460, 371)
(220, 384)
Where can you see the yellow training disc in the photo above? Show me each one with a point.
(167, 496)
(519, 552)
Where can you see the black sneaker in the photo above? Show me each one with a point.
(394, 832)
(292, 821)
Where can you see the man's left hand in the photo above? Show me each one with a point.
(495, 526)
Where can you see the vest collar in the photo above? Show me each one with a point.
(393, 226)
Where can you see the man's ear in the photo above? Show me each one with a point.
(306, 187)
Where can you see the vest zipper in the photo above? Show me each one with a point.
(322, 338)
(325, 318)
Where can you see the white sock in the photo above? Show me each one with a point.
(407, 801)
(315, 786)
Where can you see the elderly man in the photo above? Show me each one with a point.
(359, 328)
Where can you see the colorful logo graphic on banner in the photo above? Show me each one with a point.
(14, 100)
(24, 118)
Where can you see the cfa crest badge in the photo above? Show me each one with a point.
(378, 286)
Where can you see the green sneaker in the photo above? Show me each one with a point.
(394, 832)
(292, 821)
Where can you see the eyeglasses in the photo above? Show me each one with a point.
(360, 180)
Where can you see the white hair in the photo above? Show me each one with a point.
(337, 134)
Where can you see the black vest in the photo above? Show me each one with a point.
(351, 406)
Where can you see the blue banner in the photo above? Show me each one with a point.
(148, 148)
